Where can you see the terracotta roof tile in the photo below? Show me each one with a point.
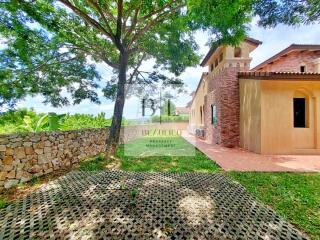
(280, 75)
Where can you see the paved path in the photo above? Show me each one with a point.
(123, 205)
(235, 159)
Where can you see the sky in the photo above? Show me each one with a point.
(274, 40)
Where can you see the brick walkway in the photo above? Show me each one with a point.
(235, 159)
(123, 205)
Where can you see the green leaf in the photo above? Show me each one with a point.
(41, 122)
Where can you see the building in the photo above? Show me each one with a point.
(273, 108)
(182, 111)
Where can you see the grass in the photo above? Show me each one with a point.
(3, 203)
(179, 156)
(137, 157)
(294, 196)
(93, 164)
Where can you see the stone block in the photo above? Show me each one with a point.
(18, 139)
(24, 176)
(3, 148)
(49, 170)
(10, 183)
(38, 145)
(7, 168)
(35, 139)
(29, 150)
(35, 169)
(4, 141)
(38, 151)
(9, 151)
(20, 152)
(3, 175)
(27, 144)
(7, 160)
(11, 174)
(47, 149)
(16, 144)
(42, 158)
(20, 166)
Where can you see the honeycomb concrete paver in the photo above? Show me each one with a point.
(128, 205)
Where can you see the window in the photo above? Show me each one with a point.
(237, 52)
(200, 114)
(211, 67)
(216, 63)
(213, 115)
(302, 69)
(221, 57)
(299, 111)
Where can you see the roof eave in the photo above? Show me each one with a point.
(214, 48)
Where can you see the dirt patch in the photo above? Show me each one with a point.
(26, 188)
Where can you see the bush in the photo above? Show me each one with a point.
(24, 120)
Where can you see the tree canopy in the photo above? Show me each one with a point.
(289, 12)
(50, 45)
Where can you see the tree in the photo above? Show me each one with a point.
(289, 12)
(49, 42)
(168, 108)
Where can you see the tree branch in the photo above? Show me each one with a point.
(134, 21)
(149, 15)
(153, 22)
(135, 71)
(46, 63)
(98, 8)
(88, 19)
(119, 19)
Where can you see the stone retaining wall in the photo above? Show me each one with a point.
(24, 156)
(27, 155)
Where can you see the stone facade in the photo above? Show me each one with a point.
(23, 156)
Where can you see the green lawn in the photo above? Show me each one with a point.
(295, 196)
(135, 156)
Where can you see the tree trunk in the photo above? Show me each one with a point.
(114, 131)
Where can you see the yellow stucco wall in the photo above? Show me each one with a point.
(198, 101)
(277, 134)
(250, 115)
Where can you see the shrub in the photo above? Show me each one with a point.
(24, 120)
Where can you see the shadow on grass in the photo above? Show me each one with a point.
(131, 205)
